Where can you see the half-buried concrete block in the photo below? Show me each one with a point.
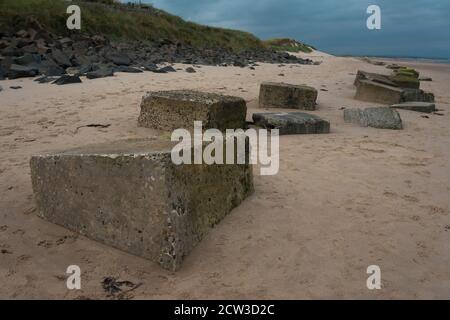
(169, 110)
(368, 90)
(416, 106)
(377, 117)
(292, 122)
(130, 195)
(289, 96)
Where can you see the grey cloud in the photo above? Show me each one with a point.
(409, 27)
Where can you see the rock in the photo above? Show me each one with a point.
(103, 72)
(151, 67)
(425, 79)
(79, 71)
(61, 58)
(169, 110)
(190, 70)
(372, 91)
(45, 79)
(118, 58)
(167, 69)
(130, 195)
(425, 107)
(51, 69)
(292, 122)
(377, 117)
(66, 79)
(28, 59)
(15, 87)
(17, 71)
(282, 95)
(127, 69)
(1, 88)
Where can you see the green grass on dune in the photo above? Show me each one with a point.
(120, 21)
(290, 45)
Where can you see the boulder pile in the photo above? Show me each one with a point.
(35, 51)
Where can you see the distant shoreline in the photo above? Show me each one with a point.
(410, 59)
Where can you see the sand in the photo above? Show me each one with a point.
(341, 202)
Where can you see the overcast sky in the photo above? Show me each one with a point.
(419, 28)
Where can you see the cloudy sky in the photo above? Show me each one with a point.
(419, 28)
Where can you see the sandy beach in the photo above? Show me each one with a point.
(341, 202)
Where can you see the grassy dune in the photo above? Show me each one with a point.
(121, 21)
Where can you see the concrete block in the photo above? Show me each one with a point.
(292, 122)
(129, 195)
(170, 110)
(372, 91)
(425, 107)
(289, 96)
(377, 117)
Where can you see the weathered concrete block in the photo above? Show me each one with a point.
(129, 194)
(169, 110)
(283, 95)
(418, 95)
(372, 91)
(425, 107)
(292, 122)
(376, 77)
(377, 117)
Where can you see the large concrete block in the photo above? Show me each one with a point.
(169, 110)
(289, 96)
(130, 195)
(292, 122)
(376, 117)
(372, 91)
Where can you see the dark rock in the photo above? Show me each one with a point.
(118, 58)
(15, 87)
(1, 88)
(66, 79)
(377, 117)
(12, 51)
(151, 67)
(17, 71)
(425, 107)
(292, 122)
(61, 58)
(127, 69)
(102, 72)
(28, 59)
(45, 79)
(166, 70)
(51, 70)
(190, 70)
